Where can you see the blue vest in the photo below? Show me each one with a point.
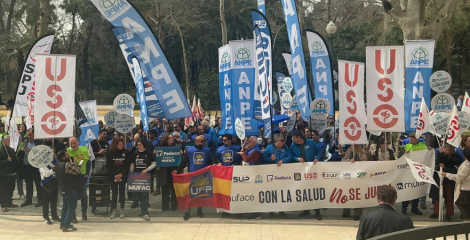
(228, 155)
(198, 158)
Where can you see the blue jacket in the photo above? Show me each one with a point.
(334, 150)
(182, 134)
(283, 155)
(228, 155)
(459, 151)
(312, 151)
(322, 145)
(213, 135)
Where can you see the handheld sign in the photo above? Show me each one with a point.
(240, 129)
(287, 84)
(291, 122)
(168, 156)
(137, 182)
(442, 102)
(320, 106)
(40, 156)
(124, 123)
(440, 122)
(440, 81)
(124, 103)
(464, 120)
(286, 99)
(293, 104)
(109, 118)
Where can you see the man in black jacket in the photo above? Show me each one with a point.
(7, 174)
(385, 219)
(31, 174)
(69, 184)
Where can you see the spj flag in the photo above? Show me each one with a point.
(208, 187)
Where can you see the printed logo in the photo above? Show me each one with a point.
(419, 56)
(260, 23)
(317, 48)
(198, 158)
(272, 178)
(227, 155)
(361, 175)
(112, 7)
(241, 179)
(89, 114)
(320, 106)
(347, 176)
(201, 186)
(330, 175)
(377, 174)
(159, 153)
(243, 57)
(124, 103)
(297, 176)
(310, 176)
(258, 179)
(403, 186)
(225, 61)
(402, 167)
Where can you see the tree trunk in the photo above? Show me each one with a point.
(72, 31)
(85, 79)
(386, 29)
(301, 15)
(161, 35)
(185, 57)
(44, 17)
(223, 23)
(2, 23)
(10, 16)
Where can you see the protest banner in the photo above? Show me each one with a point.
(40, 156)
(440, 81)
(137, 182)
(168, 156)
(225, 89)
(91, 128)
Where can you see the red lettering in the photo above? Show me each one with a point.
(378, 61)
(351, 194)
(381, 85)
(353, 124)
(63, 69)
(338, 196)
(356, 74)
(52, 118)
(51, 91)
(350, 95)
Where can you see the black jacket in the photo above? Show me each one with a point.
(118, 162)
(451, 165)
(66, 181)
(6, 167)
(385, 219)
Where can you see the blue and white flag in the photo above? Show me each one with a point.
(243, 84)
(139, 83)
(281, 90)
(132, 29)
(299, 73)
(154, 109)
(225, 90)
(419, 57)
(263, 85)
(288, 59)
(91, 127)
(321, 68)
(260, 21)
(262, 6)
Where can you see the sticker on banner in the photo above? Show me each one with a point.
(286, 99)
(124, 123)
(440, 81)
(124, 104)
(287, 83)
(440, 122)
(240, 129)
(442, 102)
(40, 156)
(110, 117)
(320, 106)
(464, 120)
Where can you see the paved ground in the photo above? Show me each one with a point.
(27, 223)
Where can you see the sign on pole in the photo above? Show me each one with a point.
(40, 156)
(124, 123)
(239, 129)
(110, 117)
(124, 103)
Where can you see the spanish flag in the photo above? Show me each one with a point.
(207, 187)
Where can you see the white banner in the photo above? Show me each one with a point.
(453, 134)
(385, 73)
(351, 103)
(25, 90)
(424, 120)
(302, 186)
(55, 96)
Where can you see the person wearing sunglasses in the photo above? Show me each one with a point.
(178, 127)
(226, 154)
(195, 158)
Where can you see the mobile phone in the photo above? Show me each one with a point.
(80, 163)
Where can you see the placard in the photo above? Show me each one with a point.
(291, 122)
(40, 156)
(320, 106)
(239, 129)
(168, 156)
(137, 182)
(440, 122)
(442, 102)
(286, 99)
(440, 81)
(464, 120)
(124, 123)
(124, 103)
(287, 83)
(109, 118)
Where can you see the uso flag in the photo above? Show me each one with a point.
(208, 187)
(351, 99)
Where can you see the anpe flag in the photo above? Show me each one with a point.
(208, 187)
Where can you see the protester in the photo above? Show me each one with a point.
(209, 130)
(462, 189)
(166, 178)
(117, 162)
(50, 188)
(449, 161)
(385, 219)
(8, 167)
(305, 150)
(322, 145)
(154, 139)
(210, 143)
(308, 133)
(464, 144)
(79, 154)
(336, 149)
(100, 124)
(227, 154)
(19, 159)
(277, 153)
(195, 158)
(68, 176)
(353, 154)
(142, 161)
(459, 103)
(30, 173)
(251, 153)
(158, 126)
(100, 145)
(178, 127)
(382, 152)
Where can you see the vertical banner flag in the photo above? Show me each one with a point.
(351, 103)
(385, 106)
(30, 116)
(419, 59)
(265, 30)
(299, 73)
(263, 85)
(262, 6)
(225, 90)
(466, 103)
(139, 83)
(132, 29)
(281, 90)
(453, 134)
(424, 120)
(154, 108)
(243, 83)
(194, 109)
(14, 134)
(288, 59)
(321, 68)
(55, 98)
(26, 84)
(90, 128)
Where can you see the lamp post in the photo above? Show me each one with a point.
(331, 30)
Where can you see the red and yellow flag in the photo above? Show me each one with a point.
(208, 187)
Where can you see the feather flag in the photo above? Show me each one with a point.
(424, 120)
(453, 134)
(208, 187)
(199, 109)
